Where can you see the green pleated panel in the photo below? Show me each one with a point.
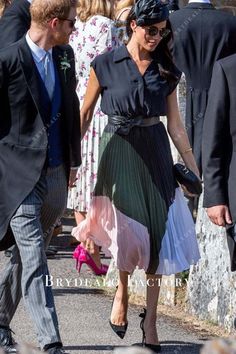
(124, 177)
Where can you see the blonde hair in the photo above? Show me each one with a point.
(89, 8)
(124, 3)
(122, 10)
(43, 11)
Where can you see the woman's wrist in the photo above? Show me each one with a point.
(187, 150)
(193, 167)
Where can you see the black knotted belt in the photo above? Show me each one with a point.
(124, 124)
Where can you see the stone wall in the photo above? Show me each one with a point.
(212, 286)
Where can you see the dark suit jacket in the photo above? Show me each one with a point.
(15, 22)
(202, 35)
(23, 136)
(219, 145)
(219, 137)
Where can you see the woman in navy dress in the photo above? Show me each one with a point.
(138, 212)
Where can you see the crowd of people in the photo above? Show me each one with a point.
(81, 127)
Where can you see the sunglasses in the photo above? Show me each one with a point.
(72, 22)
(153, 31)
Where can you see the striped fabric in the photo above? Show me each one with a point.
(32, 225)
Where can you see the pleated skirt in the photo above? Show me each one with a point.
(138, 213)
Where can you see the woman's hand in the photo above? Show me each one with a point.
(73, 177)
(191, 164)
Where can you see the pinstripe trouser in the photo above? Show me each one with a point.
(25, 273)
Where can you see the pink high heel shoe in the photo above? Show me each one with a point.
(83, 257)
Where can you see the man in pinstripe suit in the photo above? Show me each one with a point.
(39, 150)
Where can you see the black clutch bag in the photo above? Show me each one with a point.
(188, 178)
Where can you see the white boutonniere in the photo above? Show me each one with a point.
(64, 63)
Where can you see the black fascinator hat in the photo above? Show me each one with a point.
(149, 12)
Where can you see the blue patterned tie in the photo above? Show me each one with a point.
(48, 80)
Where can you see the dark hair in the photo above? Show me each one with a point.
(161, 54)
(173, 5)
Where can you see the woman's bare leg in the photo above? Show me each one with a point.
(79, 216)
(120, 303)
(153, 289)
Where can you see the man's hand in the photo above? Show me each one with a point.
(219, 215)
(72, 178)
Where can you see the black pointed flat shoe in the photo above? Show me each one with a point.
(119, 330)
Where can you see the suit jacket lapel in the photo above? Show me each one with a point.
(29, 69)
(57, 55)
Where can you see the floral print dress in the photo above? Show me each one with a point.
(91, 38)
